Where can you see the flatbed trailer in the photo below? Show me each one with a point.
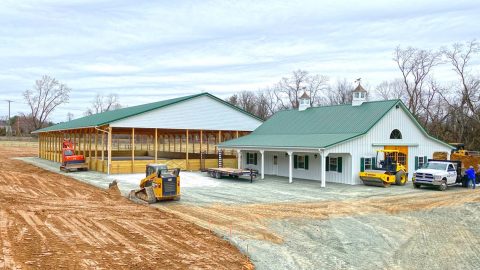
(231, 172)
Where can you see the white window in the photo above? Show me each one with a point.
(421, 162)
(368, 163)
(251, 158)
(362, 95)
(333, 164)
(301, 162)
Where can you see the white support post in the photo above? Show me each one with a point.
(262, 153)
(323, 156)
(290, 167)
(239, 159)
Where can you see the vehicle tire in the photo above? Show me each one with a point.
(415, 185)
(400, 178)
(218, 175)
(443, 185)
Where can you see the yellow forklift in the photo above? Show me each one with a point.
(386, 171)
(158, 185)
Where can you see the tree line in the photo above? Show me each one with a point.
(449, 110)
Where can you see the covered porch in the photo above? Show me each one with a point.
(311, 164)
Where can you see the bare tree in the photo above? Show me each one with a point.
(460, 56)
(394, 89)
(340, 93)
(415, 66)
(45, 96)
(290, 89)
(104, 104)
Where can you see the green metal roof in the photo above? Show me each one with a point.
(318, 127)
(104, 118)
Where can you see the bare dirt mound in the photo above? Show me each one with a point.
(50, 221)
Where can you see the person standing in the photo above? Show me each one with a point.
(470, 172)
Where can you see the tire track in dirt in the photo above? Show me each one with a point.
(50, 221)
(250, 220)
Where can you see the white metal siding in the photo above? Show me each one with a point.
(199, 113)
(380, 134)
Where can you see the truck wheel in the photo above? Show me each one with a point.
(218, 175)
(400, 178)
(443, 185)
(415, 185)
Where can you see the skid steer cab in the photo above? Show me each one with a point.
(159, 184)
(386, 170)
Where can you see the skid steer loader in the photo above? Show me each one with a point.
(385, 172)
(159, 184)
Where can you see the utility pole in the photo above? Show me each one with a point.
(9, 126)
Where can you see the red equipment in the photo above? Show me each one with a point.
(70, 161)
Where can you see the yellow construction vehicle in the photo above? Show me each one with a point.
(461, 151)
(385, 172)
(159, 184)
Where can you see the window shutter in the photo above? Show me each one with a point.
(362, 164)
(339, 164)
(255, 158)
(306, 162)
(248, 158)
(425, 160)
(327, 164)
(374, 163)
(416, 163)
(295, 162)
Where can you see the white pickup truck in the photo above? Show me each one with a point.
(440, 173)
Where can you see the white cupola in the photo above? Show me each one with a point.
(304, 102)
(359, 95)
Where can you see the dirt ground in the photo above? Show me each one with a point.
(51, 221)
(303, 226)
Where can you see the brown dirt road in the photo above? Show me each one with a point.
(49, 221)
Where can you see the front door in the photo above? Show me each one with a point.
(275, 165)
(402, 155)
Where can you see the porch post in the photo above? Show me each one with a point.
(156, 145)
(201, 141)
(290, 167)
(186, 150)
(133, 149)
(262, 153)
(109, 150)
(323, 156)
(239, 159)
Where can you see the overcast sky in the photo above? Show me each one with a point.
(146, 51)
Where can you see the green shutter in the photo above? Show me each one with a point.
(362, 164)
(425, 160)
(248, 158)
(416, 163)
(255, 158)
(306, 162)
(339, 164)
(374, 163)
(295, 162)
(327, 164)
